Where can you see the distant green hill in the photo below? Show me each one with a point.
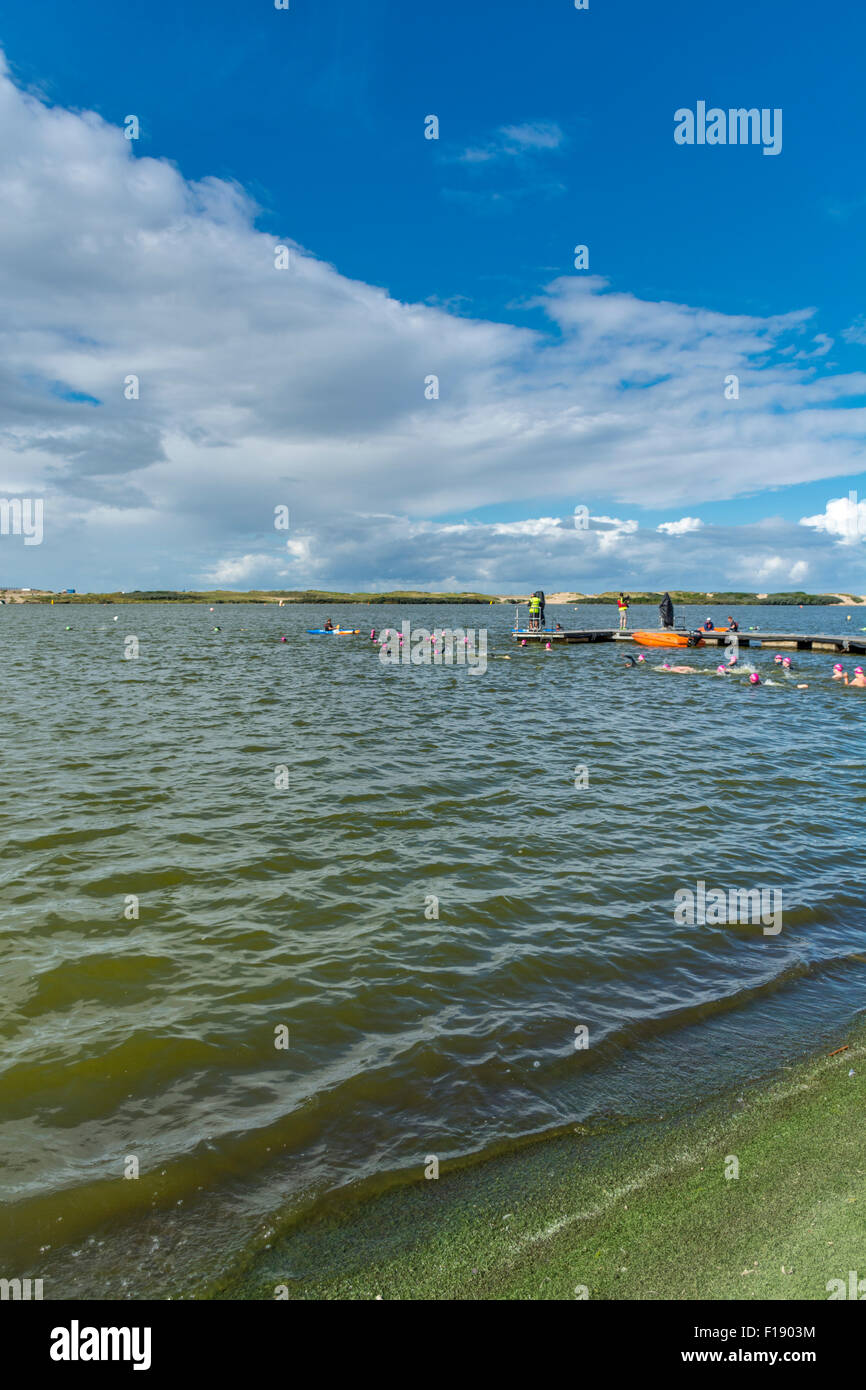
(719, 600)
(406, 596)
(262, 596)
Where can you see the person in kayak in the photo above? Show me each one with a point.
(622, 605)
(329, 626)
(708, 625)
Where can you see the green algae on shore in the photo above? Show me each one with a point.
(645, 1211)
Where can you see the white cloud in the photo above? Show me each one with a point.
(780, 569)
(534, 526)
(261, 387)
(512, 141)
(536, 135)
(844, 517)
(856, 333)
(516, 557)
(681, 527)
(241, 570)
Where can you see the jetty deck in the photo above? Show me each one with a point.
(782, 641)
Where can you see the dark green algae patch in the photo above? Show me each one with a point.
(620, 1211)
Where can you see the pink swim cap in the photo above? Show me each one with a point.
(523, 643)
(786, 661)
(547, 647)
(754, 679)
(837, 666)
(721, 669)
(641, 658)
(778, 656)
(666, 665)
(858, 670)
(284, 639)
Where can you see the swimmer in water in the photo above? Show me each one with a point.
(754, 679)
(666, 666)
(629, 661)
(859, 679)
(838, 672)
(786, 663)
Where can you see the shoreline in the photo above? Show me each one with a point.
(47, 598)
(644, 1211)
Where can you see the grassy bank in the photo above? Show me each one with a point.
(719, 600)
(214, 596)
(258, 596)
(643, 1211)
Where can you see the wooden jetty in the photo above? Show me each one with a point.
(782, 641)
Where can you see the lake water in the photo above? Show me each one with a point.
(305, 915)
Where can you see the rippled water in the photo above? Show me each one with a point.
(309, 909)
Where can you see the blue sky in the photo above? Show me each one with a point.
(557, 387)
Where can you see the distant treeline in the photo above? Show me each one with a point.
(263, 596)
(719, 600)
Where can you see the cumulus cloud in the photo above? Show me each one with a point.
(243, 570)
(844, 517)
(515, 557)
(259, 387)
(780, 570)
(681, 527)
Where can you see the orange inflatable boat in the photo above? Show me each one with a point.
(666, 638)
